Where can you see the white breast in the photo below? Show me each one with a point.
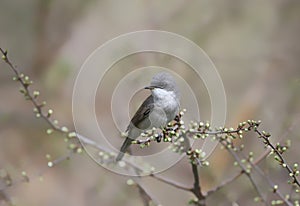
(166, 101)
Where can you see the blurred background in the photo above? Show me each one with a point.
(253, 44)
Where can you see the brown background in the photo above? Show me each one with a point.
(254, 45)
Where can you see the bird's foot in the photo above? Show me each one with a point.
(159, 137)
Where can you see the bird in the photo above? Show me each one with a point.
(157, 110)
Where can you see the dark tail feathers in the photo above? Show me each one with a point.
(124, 148)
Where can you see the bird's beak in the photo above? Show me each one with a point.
(150, 87)
(153, 87)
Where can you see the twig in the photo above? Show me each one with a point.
(271, 183)
(29, 95)
(145, 195)
(5, 197)
(282, 160)
(255, 162)
(237, 159)
(170, 182)
(225, 183)
(196, 189)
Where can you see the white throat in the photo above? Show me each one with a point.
(163, 95)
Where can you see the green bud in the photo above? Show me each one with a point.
(130, 182)
(48, 156)
(79, 150)
(49, 131)
(64, 129)
(50, 112)
(257, 199)
(275, 188)
(36, 94)
(72, 134)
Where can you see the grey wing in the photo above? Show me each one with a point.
(142, 113)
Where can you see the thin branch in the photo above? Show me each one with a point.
(271, 183)
(225, 183)
(282, 160)
(4, 196)
(146, 196)
(28, 94)
(196, 189)
(255, 162)
(238, 160)
(170, 182)
(150, 139)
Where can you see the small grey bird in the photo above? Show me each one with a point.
(157, 110)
